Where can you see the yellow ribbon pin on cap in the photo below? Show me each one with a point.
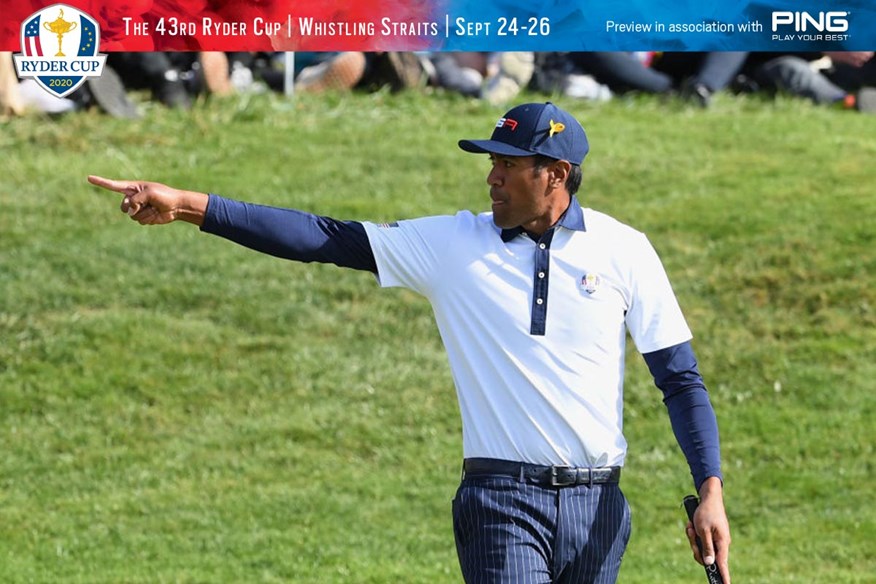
(556, 128)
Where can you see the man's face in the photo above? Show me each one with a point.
(519, 192)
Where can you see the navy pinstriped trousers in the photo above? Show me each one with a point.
(510, 532)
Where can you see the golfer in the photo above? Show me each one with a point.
(533, 301)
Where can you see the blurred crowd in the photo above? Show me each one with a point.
(843, 80)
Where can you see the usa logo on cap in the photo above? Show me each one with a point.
(507, 123)
(59, 49)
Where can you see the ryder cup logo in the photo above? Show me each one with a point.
(590, 283)
(59, 49)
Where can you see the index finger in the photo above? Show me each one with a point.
(119, 186)
(724, 570)
(722, 558)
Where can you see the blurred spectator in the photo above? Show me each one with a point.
(215, 73)
(513, 73)
(10, 97)
(495, 77)
(840, 79)
(164, 74)
(395, 70)
(622, 72)
(555, 73)
(175, 79)
(700, 75)
(852, 70)
(695, 76)
(106, 93)
(316, 72)
(855, 71)
(340, 71)
(460, 72)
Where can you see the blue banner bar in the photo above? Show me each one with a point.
(636, 25)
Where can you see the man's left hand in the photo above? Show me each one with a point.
(711, 525)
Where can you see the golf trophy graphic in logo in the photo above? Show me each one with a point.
(60, 27)
(69, 28)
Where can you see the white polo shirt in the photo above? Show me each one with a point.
(535, 335)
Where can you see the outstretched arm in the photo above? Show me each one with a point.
(284, 233)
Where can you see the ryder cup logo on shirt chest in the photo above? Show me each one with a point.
(590, 283)
(59, 49)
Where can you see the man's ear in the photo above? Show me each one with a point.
(559, 172)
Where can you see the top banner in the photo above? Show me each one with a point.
(466, 25)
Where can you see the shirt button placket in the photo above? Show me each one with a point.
(540, 285)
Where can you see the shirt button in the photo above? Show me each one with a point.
(539, 301)
(541, 274)
(541, 246)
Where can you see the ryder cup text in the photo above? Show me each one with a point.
(175, 27)
(47, 65)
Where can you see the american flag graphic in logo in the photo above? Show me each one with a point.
(32, 46)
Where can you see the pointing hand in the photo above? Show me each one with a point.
(151, 203)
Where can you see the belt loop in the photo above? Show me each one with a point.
(589, 477)
(521, 473)
(462, 471)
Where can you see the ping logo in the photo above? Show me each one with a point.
(507, 123)
(59, 49)
(804, 21)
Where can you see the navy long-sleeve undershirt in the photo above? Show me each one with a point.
(693, 420)
(290, 234)
(304, 237)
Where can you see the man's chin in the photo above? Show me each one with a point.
(498, 216)
(502, 224)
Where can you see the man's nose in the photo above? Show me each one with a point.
(494, 178)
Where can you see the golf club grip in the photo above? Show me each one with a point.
(712, 574)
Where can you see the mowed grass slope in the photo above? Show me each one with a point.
(174, 408)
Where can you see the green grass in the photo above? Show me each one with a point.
(174, 408)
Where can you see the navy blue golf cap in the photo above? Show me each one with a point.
(535, 128)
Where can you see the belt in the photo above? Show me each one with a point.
(548, 476)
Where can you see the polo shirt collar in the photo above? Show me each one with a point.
(572, 218)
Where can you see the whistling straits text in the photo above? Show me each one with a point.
(309, 26)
